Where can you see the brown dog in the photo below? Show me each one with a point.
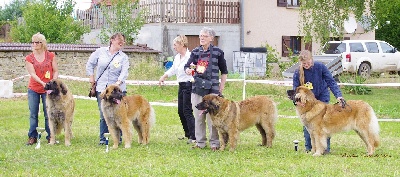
(122, 112)
(322, 120)
(60, 106)
(230, 118)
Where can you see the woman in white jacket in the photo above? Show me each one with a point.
(185, 110)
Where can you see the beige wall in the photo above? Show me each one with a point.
(265, 22)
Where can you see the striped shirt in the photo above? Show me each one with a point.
(216, 61)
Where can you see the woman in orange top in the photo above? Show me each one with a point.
(42, 67)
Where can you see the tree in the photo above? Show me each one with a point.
(321, 19)
(50, 18)
(12, 11)
(124, 17)
(388, 15)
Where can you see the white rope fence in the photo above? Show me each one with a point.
(154, 83)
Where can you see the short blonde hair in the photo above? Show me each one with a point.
(181, 39)
(40, 38)
(304, 55)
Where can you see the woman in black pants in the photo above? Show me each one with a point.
(185, 87)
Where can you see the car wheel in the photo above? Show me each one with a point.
(364, 70)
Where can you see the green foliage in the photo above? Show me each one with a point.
(321, 19)
(274, 57)
(12, 11)
(388, 11)
(356, 90)
(50, 18)
(121, 18)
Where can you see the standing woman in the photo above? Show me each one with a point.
(185, 110)
(42, 67)
(317, 77)
(112, 64)
(210, 64)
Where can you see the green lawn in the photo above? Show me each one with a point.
(165, 155)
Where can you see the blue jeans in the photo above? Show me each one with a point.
(308, 141)
(103, 124)
(33, 103)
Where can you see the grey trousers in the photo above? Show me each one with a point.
(200, 125)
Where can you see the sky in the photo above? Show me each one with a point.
(80, 4)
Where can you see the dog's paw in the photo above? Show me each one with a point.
(316, 154)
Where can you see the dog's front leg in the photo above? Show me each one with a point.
(126, 127)
(221, 139)
(318, 143)
(52, 128)
(233, 138)
(68, 132)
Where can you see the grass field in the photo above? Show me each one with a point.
(165, 155)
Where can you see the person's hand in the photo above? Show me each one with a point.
(118, 83)
(189, 71)
(339, 99)
(43, 84)
(161, 81)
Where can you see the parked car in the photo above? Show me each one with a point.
(365, 56)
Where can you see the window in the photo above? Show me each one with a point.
(356, 47)
(372, 47)
(288, 3)
(335, 48)
(282, 3)
(386, 48)
(294, 3)
(293, 44)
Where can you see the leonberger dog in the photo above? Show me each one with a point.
(122, 112)
(230, 118)
(60, 106)
(322, 120)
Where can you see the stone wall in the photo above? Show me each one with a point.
(71, 58)
(12, 63)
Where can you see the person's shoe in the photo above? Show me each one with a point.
(308, 151)
(326, 152)
(181, 138)
(214, 148)
(31, 141)
(190, 141)
(101, 143)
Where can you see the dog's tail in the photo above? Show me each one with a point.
(275, 113)
(152, 117)
(374, 127)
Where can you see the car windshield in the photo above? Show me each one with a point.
(335, 48)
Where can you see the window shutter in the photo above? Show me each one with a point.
(285, 46)
(282, 3)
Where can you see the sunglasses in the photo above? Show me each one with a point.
(37, 42)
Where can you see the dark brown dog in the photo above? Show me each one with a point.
(322, 120)
(230, 118)
(60, 106)
(122, 112)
